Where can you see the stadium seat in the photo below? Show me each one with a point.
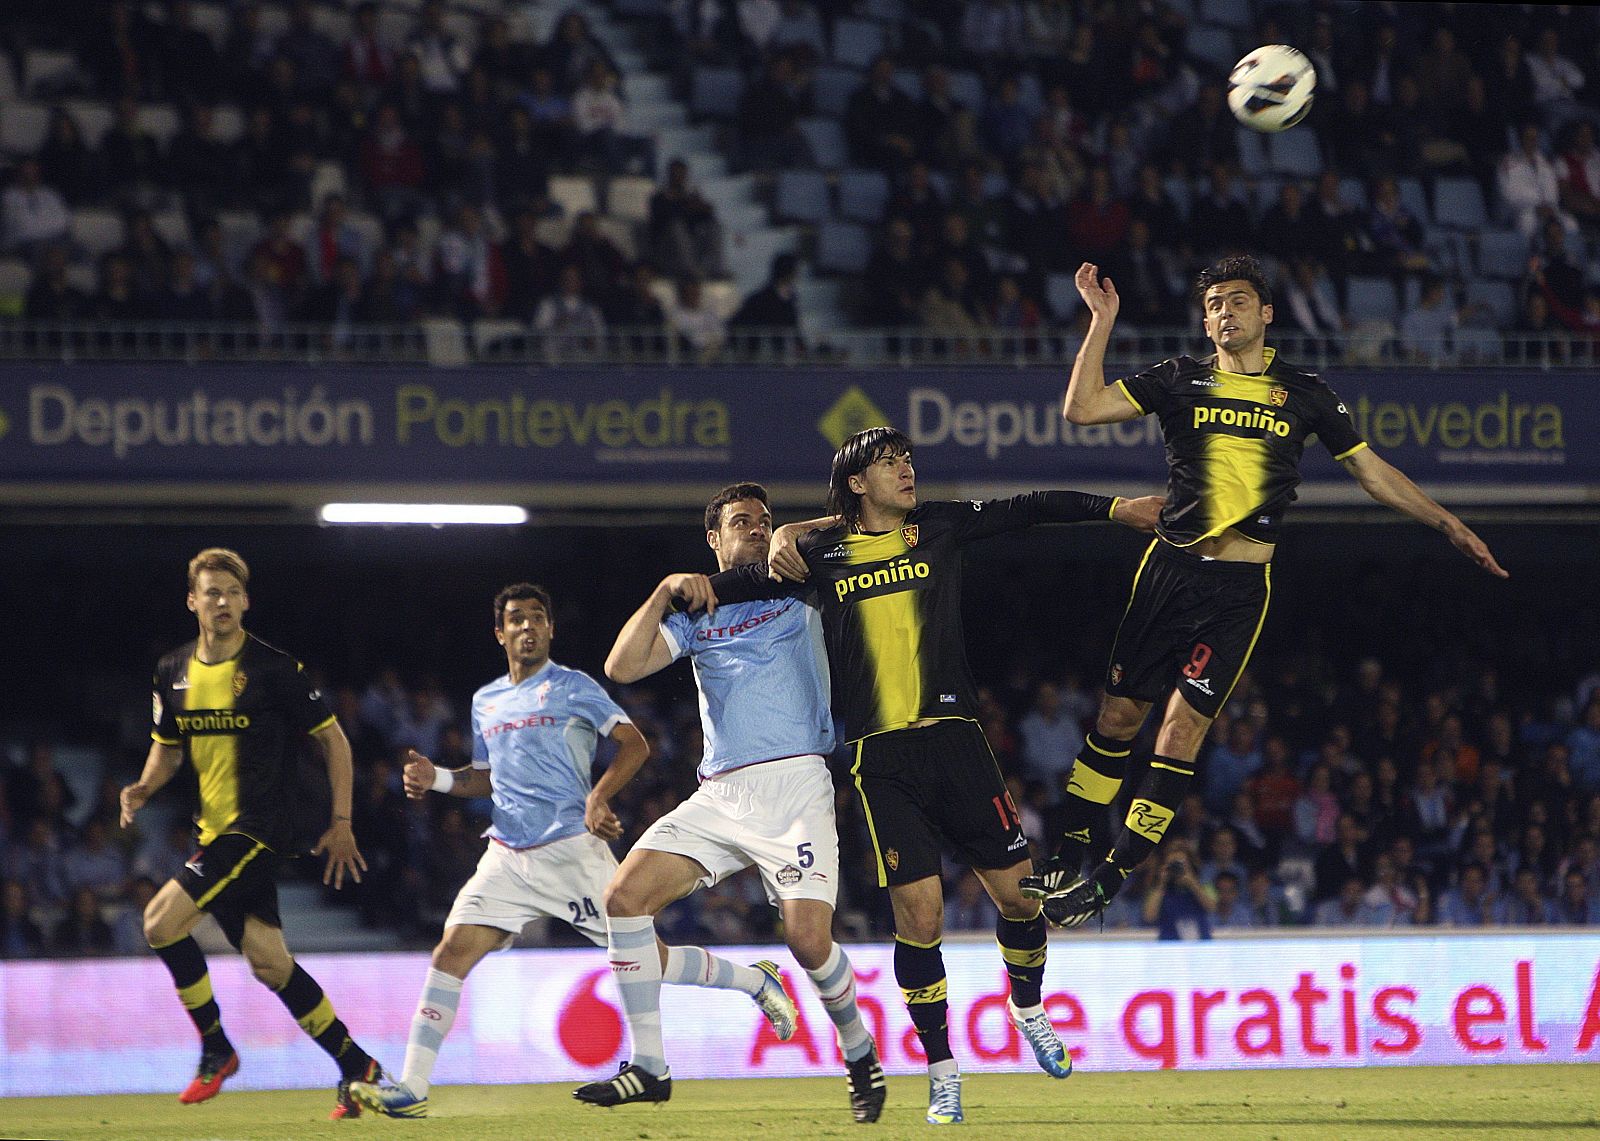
(1294, 153)
(552, 232)
(335, 22)
(650, 8)
(1252, 152)
(94, 120)
(843, 247)
(621, 235)
(714, 91)
(173, 226)
(23, 127)
(629, 198)
(1499, 297)
(212, 19)
(910, 83)
(394, 25)
(1213, 47)
(84, 278)
(826, 137)
(227, 124)
(863, 195)
(1415, 199)
(832, 88)
(856, 43)
(328, 178)
(966, 88)
(722, 297)
(160, 121)
(488, 333)
(1371, 299)
(240, 229)
(890, 10)
(46, 72)
(801, 196)
(1229, 13)
(1061, 295)
(574, 194)
(802, 26)
(1458, 203)
(97, 232)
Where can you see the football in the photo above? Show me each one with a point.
(1271, 88)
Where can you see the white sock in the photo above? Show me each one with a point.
(436, 1012)
(695, 966)
(835, 981)
(636, 966)
(945, 1069)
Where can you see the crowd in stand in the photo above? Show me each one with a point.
(1366, 801)
(440, 146)
(1099, 133)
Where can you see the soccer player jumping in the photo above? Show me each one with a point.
(1235, 427)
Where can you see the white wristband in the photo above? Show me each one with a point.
(443, 780)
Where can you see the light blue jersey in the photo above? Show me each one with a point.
(537, 739)
(762, 672)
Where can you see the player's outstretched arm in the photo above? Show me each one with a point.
(159, 765)
(1088, 400)
(632, 751)
(1391, 487)
(339, 841)
(640, 650)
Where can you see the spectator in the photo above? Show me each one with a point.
(82, 931)
(365, 57)
(288, 256)
(1233, 761)
(20, 937)
(1390, 900)
(1346, 858)
(701, 329)
(1530, 185)
(1442, 74)
(1011, 309)
(597, 117)
(532, 268)
(635, 308)
(32, 215)
(148, 255)
(391, 164)
(684, 233)
(1578, 174)
(1426, 330)
(1583, 749)
(36, 863)
(159, 858)
(268, 302)
(1220, 215)
(1347, 908)
(992, 30)
(442, 59)
(1308, 300)
(1316, 810)
(94, 863)
(899, 278)
(1577, 905)
(117, 300)
(1209, 137)
(131, 151)
(1222, 856)
(1177, 903)
(199, 163)
(1097, 223)
(880, 121)
(1469, 903)
(523, 163)
(773, 311)
(596, 255)
(1051, 739)
(52, 296)
(944, 126)
(570, 314)
(66, 163)
(967, 906)
(127, 933)
(1556, 80)
(768, 118)
(950, 304)
(1525, 905)
(1007, 124)
(1233, 913)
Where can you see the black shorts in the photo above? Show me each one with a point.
(1191, 623)
(933, 790)
(233, 877)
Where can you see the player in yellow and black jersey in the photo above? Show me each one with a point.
(1235, 426)
(240, 712)
(886, 573)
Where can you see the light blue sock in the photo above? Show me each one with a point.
(436, 1011)
(835, 981)
(695, 966)
(636, 966)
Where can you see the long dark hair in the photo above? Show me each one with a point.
(855, 456)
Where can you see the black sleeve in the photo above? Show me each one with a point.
(308, 710)
(1150, 390)
(750, 582)
(978, 519)
(1333, 425)
(163, 715)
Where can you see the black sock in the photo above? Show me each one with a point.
(187, 964)
(1022, 945)
(1094, 782)
(314, 1013)
(1149, 816)
(920, 972)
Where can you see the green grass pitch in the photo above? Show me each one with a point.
(1481, 1103)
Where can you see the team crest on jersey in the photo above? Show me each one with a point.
(909, 534)
(240, 680)
(1116, 675)
(892, 858)
(542, 694)
(788, 875)
(1278, 396)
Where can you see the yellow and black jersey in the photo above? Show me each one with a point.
(891, 604)
(1234, 442)
(242, 724)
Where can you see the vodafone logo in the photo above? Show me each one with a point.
(588, 1027)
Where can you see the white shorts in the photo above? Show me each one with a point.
(564, 880)
(777, 815)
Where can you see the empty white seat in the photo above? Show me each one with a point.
(23, 126)
(629, 198)
(97, 231)
(574, 194)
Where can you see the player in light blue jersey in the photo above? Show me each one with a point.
(765, 798)
(535, 731)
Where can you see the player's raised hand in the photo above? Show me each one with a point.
(133, 798)
(1102, 300)
(339, 841)
(1467, 542)
(1142, 514)
(417, 775)
(783, 555)
(600, 820)
(694, 590)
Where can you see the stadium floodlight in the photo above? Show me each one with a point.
(433, 514)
